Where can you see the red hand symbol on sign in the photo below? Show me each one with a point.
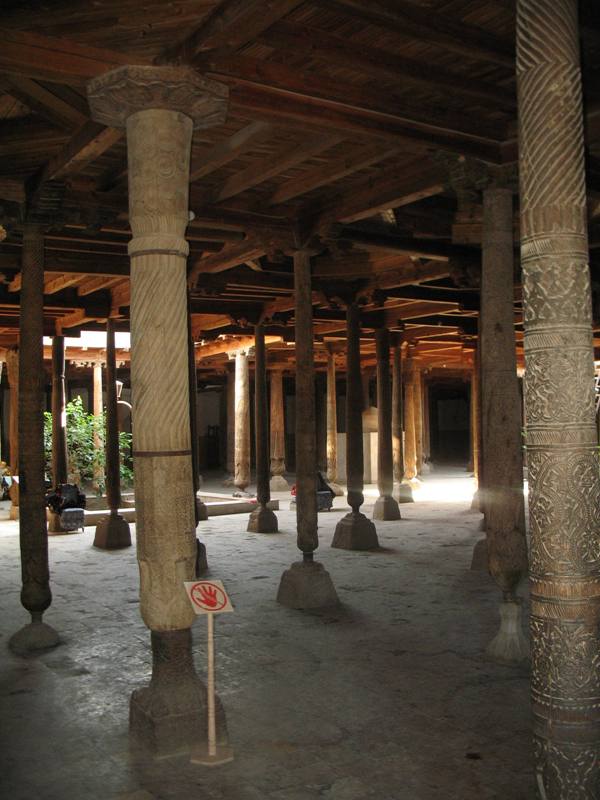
(208, 595)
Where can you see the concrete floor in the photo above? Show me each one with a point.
(388, 697)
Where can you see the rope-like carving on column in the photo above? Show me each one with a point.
(561, 435)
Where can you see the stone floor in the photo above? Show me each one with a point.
(387, 698)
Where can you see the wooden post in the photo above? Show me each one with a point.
(59, 426)
(12, 371)
(160, 106)
(386, 508)
(97, 411)
(332, 469)
(418, 415)
(402, 489)
(36, 596)
(262, 519)
(354, 531)
(277, 419)
(200, 509)
(410, 439)
(306, 584)
(242, 422)
(230, 423)
(562, 455)
(112, 532)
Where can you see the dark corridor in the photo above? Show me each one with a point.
(449, 418)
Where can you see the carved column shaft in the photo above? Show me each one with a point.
(397, 414)
(418, 416)
(277, 421)
(12, 371)
(500, 402)
(242, 421)
(354, 405)
(475, 423)
(59, 416)
(564, 484)
(230, 402)
(306, 423)
(331, 419)
(35, 594)
(410, 439)
(386, 508)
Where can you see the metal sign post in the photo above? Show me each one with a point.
(210, 598)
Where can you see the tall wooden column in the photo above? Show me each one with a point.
(112, 532)
(410, 438)
(418, 416)
(564, 485)
(230, 423)
(242, 422)
(402, 489)
(386, 508)
(262, 519)
(277, 419)
(476, 429)
(160, 106)
(332, 469)
(354, 531)
(12, 371)
(36, 596)
(501, 422)
(306, 584)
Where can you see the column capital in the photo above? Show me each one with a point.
(116, 95)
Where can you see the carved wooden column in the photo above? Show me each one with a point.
(112, 532)
(262, 519)
(306, 584)
(410, 439)
(201, 511)
(35, 593)
(564, 485)
(425, 433)
(354, 531)
(402, 489)
(332, 476)
(230, 413)
(59, 426)
(417, 381)
(501, 422)
(12, 371)
(159, 107)
(242, 422)
(278, 482)
(97, 412)
(386, 508)
(476, 430)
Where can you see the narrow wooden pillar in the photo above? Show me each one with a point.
(354, 531)
(36, 596)
(386, 508)
(425, 436)
(242, 422)
(200, 509)
(12, 371)
(418, 416)
(262, 519)
(112, 532)
(564, 485)
(230, 423)
(306, 584)
(59, 415)
(332, 468)
(410, 439)
(277, 419)
(402, 489)
(160, 106)
(501, 422)
(97, 412)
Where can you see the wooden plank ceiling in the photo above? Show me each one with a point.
(347, 117)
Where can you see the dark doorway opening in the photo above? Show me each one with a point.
(449, 418)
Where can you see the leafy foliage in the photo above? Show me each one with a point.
(86, 459)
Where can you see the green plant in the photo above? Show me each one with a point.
(85, 446)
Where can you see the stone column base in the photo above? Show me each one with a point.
(201, 510)
(479, 560)
(112, 533)
(403, 493)
(169, 717)
(509, 645)
(13, 512)
(355, 532)
(307, 584)
(279, 484)
(386, 508)
(33, 638)
(262, 520)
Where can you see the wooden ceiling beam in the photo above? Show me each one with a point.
(351, 54)
(229, 149)
(232, 24)
(46, 58)
(228, 257)
(44, 102)
(87, 144)
(424, 24)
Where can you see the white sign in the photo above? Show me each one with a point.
(208, 597)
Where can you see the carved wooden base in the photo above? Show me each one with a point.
(34, 637)
(386, 508)
(169, 716)
(279, 484)
(307, 584)
(509, 646)
(262, 520)
(355, 532)
(112, 533)
(403, 493)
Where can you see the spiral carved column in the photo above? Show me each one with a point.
(306, 584)
(159, 106)
(36, 596)
(564, 484)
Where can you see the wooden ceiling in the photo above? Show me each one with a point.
(348, 117)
